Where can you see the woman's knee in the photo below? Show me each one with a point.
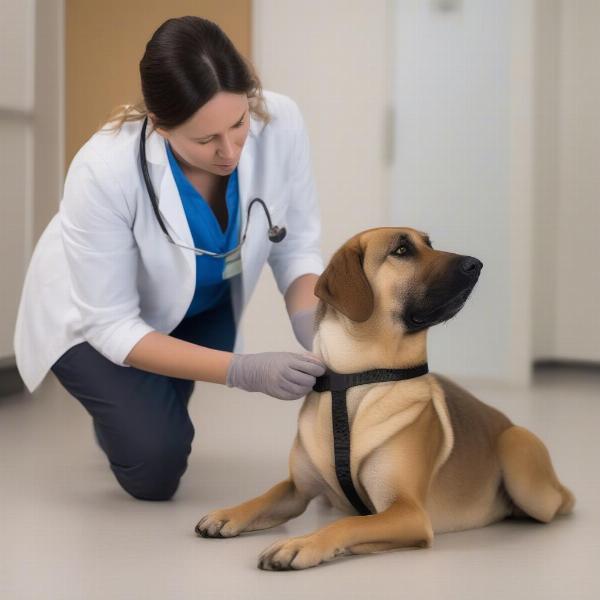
(155, 469)
(148, 488)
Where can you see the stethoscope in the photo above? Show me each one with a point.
(276, 234)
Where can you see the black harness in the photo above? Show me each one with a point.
(338, 383)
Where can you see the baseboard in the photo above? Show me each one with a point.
(552, 363)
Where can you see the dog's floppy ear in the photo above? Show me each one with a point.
(344, 285)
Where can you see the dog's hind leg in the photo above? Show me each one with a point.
(529, 476)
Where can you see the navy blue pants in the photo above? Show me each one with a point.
(141, 418)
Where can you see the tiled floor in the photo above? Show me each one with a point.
(68, 531)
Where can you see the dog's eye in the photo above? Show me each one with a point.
(401, 249)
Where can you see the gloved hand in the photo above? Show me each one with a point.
(284, 375)
(303, 324)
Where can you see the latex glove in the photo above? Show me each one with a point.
(303, 324)
(284, 375)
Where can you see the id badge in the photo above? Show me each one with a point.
(232, 265)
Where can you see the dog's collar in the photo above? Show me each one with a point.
(332, 381)
(338, 383)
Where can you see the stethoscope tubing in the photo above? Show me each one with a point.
(276, 234)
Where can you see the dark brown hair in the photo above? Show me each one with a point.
(187, 61)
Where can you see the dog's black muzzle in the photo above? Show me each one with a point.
(443, 300)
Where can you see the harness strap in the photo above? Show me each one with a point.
(341, 448)
(338, 383)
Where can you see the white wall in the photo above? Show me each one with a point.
(463, 163)
(463, 82)
(330, 57)
(452, 171)
(498, 139)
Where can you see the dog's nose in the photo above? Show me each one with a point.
(470, 266)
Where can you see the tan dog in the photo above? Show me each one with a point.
(426, 456)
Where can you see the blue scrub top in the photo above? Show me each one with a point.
(211, 288)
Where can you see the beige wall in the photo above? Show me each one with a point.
(105, 41)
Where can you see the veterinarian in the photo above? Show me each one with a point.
(137, 286)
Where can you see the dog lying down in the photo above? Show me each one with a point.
(425, 456)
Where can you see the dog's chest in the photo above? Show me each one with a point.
(375, 413)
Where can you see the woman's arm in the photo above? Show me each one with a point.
(301, 304)
(102, 256)
(164, 354)
(301, 294)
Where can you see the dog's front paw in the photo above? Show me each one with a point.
(218, 524)
(294, 553)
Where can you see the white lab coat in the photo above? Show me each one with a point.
(104, 272)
